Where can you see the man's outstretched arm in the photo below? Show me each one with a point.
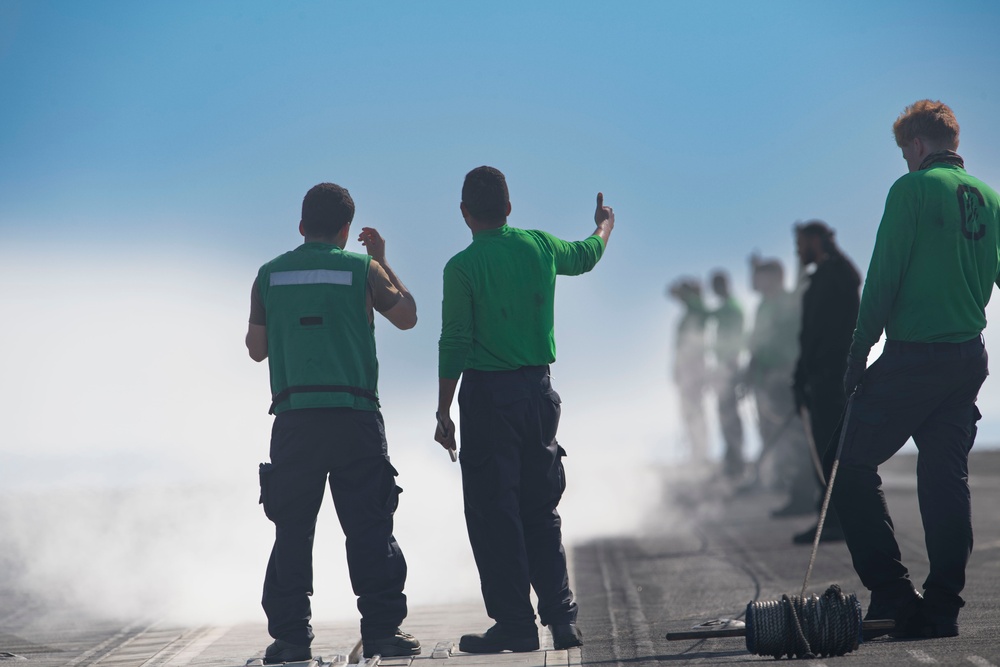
(576, 257)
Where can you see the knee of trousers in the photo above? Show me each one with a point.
(852, 480)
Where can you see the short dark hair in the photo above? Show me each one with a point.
(930, 120)
(720, 275)
(326, 208)
(485, 195)
(818, 229)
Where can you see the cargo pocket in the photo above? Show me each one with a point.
(557, 476)
(480, 483)
(264, 473)
(550, 411)
(974, 428)
(391, 502)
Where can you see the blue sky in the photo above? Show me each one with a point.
(183, 135)
(154, 154)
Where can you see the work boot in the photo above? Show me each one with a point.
(281, 651)
(565, 635)
(832, 533)
(395, 645)
(496, 640)
(939, 615)
(899, 603)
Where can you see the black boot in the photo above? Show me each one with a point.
(899, 603)
(940, 614)
(565, 635)
(281, 651)
(496, 640)
(395, 645)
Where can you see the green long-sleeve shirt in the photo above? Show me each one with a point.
(499, 294)
(774, 341)
(728, 331)
(936, 259)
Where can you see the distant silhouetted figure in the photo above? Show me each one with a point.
(727, 347)
(689, 365)
(829, 311)
(774, 348)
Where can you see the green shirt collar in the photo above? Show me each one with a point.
(486, 233)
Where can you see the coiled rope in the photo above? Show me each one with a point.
(811, 627)
(798, 626)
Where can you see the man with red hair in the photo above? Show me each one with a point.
(935, 261)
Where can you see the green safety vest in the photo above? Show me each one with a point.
(320, 342)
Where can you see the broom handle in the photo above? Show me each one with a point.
(741, 632)
(829, 488)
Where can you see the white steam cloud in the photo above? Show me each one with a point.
(134, 423)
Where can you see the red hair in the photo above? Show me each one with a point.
(930, 120)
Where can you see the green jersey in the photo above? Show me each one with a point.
(728, 331)
(774, 344)
(499, 294)
(936, 259)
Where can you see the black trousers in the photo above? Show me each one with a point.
(729, 420)
(826, 401)
(926, 391)
(783, 433)
(347, 448)
(513, 479)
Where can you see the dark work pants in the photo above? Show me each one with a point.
(512, 477)
(826, 409)
(782, 432)
(691, 388)
(348, 447)
(926, 391)
(729, 421)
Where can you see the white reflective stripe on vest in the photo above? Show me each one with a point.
(312, 277)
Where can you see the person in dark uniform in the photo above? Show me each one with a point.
(497, 335)
(931, 275)
(312, 318)
(689, 372)
(727, 347)
(829, 311)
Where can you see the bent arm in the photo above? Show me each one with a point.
(403, 314)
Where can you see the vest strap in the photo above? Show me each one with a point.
(317, 388)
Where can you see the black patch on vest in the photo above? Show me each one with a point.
(312, 321)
